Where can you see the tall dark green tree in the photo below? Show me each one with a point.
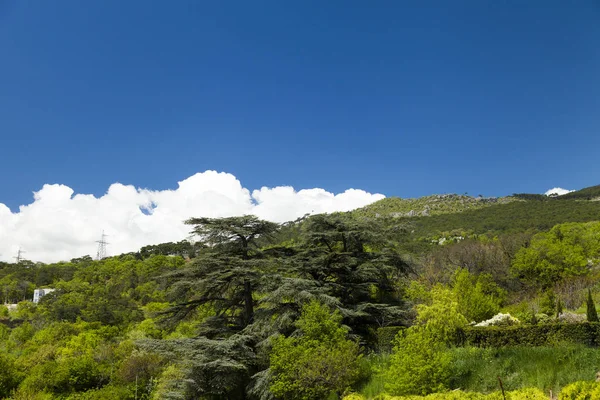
(358, 265)
(592, 314)
(212, 369)
(256, 288)
(226, 274)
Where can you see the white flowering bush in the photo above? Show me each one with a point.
(571, 318)
(500, 320)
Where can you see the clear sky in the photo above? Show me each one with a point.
(394, 97)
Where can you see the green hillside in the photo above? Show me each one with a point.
(431, 216)
(589, 193)
(509, 217)
(379, 301)
(429, 205)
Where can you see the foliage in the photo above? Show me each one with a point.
(588, 193)
(385, 337)
(372, 382)
(478, 296)
(356, 263)
(581, 390)
(441, 319)
(183, 248)
(211, 369)
(546, 368)
(567, 250)
(236, 308)
(428, 205)
(319, 361)
(523, 394)
(420, 362)
(9, 375)
(517, 216)
(591, 313)
(488, 255)
(587, 333)
(548, 302)
(226, 277)
(172, 384)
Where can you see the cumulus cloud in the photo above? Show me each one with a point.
(557, 191)
(60, 224)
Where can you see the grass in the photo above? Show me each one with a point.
(546, 368)
(478, 369)
(374, 384)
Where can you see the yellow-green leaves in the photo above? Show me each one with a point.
(319, 362)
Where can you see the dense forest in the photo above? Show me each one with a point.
(444, 297)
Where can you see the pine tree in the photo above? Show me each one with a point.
(592, 314)
(357, 264)
(226, 274)
(256, 289)
(211, 369)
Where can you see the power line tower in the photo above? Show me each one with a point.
(19, 256)
(101, 247)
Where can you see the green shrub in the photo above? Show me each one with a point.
(22, 334)
(478, 296)
(420, 362)
(320, 362)
(106, 393)
(385, 337)
(522, 394)
(582, 390)
(9, 378)
(419, 365)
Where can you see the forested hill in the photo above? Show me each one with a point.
(435, 215)
(428, 205)
(378, 301)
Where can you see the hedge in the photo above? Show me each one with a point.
(587, 333)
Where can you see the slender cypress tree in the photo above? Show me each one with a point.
(592, 314)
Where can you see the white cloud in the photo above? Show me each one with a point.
(557, 191)
(60, 225)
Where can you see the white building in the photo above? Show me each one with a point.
(39, 293)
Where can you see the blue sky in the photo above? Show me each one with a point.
(400, 98)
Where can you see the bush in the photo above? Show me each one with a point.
(420, 362)
(523, 394)
(320, 362)
(581, 391)
(385, 337)
(571, 318)
(478, 296)
(9, 378)
(500, 320)
(419, 365)
(587, 333)
(106, 393)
